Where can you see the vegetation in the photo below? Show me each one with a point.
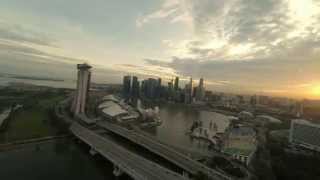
(36, 118)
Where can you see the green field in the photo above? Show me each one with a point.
(29, 124)
(35, 119)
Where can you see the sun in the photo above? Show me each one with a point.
(316, 90)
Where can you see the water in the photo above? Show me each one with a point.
(51, 161)
(66, 160)
(4, 81)
(177, 120)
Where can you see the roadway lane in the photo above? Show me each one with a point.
(153, 145)
(134, 165)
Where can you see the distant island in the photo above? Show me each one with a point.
(14, 76)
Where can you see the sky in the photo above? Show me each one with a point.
(242, 46)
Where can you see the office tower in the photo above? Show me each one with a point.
(201, 84)
(126, 86)
(188, 92)
(135, 87)
(150, 88)
(200, 91)
(83, 86)
(159, 88)
(191, 87)
(159, 82)
(176, 84)
(170, 89)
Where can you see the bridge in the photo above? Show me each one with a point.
(124, 160)
(181, 160)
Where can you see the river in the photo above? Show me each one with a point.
(177, 120)
(4, 81)
(67, 160)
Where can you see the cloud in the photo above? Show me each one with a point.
(240, 29)
(25, 60)
(173, 10)
(247, 75)
(267, 46)
(21, 34)
(12, 48)
(148, 70)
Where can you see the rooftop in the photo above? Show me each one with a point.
(114, 110)
(107, 104)
(110, 98)
(269, 118)
(4, 115)
(305, 122)
(84, 66)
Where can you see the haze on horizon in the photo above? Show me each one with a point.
(243, 46)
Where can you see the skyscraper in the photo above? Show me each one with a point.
(170, 89)
(159, 88)
(191, 87)
(150, 88)
(126, 86)
(201, 82)
(135, 87)
(189, 92)
(200, 91)
(83, 86)
(176, 84)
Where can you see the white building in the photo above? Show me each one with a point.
(4, 116)
(110, 98)
(244, 115)
(268, 119)
(115, 109)
(305, 134)
(83, 86)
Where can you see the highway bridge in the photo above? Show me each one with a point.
(189, 165)
(124, 160)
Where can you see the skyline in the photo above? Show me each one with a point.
(239, 46)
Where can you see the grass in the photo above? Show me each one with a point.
(29, 124)
(32, 121)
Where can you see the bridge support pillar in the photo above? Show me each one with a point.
(185, 174)
(93, 152)
(117, 171)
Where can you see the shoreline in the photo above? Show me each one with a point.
(33, 141)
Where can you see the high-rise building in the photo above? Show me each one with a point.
(201, 83)
(126, 86)
(176, 84)
(159, 82)
(200, 91)
(188, 97)
(170, 90)
(150, 88)
(191, 86)
(305, 134)
(159, 88)
(83, 86)
(135, 87)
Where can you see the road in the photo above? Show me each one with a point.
(134, 165)
(153, 145)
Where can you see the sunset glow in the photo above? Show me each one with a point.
(316, 91)
(258, 46)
